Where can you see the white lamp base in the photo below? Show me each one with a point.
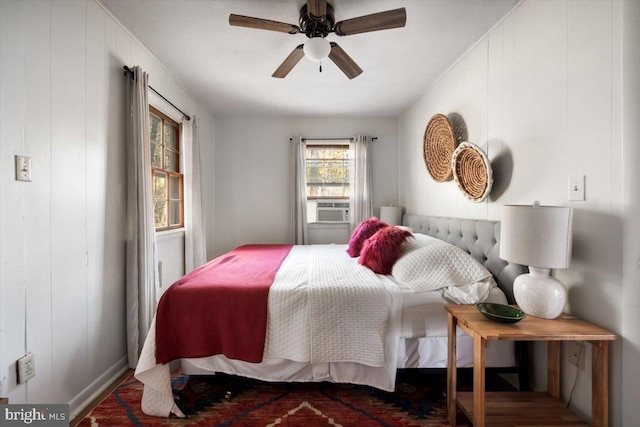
(539, 294)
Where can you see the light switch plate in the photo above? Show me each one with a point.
(576, 188)
(23, 168)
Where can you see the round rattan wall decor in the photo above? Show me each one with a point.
(439, 144)
(472, 171)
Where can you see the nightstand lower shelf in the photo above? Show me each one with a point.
(507, 409)
(521, 409)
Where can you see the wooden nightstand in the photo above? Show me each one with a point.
(523, 408)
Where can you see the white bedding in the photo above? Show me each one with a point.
(423, 334)
(299, 316)
(423, 313)
(325, 307)
(325, 311)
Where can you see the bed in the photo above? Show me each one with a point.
(322, 327)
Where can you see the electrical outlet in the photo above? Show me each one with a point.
(26, 368)
(576, 354)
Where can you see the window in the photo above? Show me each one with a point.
(168, 199)
(328, 168)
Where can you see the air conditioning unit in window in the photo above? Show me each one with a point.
(332, 211)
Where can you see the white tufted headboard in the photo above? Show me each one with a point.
(478, 237)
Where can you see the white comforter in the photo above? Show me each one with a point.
(326, 311)
(325, 307)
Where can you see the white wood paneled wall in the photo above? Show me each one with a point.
(254, 172)
(542, 93)
(62, 246)
(631, 178)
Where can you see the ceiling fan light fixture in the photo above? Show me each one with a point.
(317, 48)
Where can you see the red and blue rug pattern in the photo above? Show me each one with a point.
(419, 400)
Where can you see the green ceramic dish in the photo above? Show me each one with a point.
(501, 313)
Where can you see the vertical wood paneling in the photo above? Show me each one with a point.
(62, 102)
(242, 136)
(630, 389)
(495, 131)
(528, 154)
(618, 59)
(417, 174)
(553, 107)
(507, 165)
(3, 391)
(38, 209)
(68, 197)
(589, 120)
(116, 161)
(550, 99)
(589, 124)
(123, 46)
(473, 110)
(590, 148)
(12, 195)
(100, 350)
(462, 95)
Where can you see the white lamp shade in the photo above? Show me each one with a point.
(317, 48)
(537, 236)
(392, 215)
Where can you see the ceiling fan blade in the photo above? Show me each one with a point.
(344, 61)
(377, 21)
(288, 64)
(317, 8)
(262, 24)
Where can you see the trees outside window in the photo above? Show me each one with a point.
(328, 170)
(168, 194)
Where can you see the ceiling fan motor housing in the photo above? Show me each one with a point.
(316, 27)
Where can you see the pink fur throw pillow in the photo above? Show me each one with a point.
(363, 231)
(381, 250)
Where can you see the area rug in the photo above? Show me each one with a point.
(419, 400)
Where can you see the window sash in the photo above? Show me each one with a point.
(166, 173)
(326, 173)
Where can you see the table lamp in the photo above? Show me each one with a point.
(392, 215)
(539, 237)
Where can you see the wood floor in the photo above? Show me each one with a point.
(100, 398)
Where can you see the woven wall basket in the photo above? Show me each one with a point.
(438, 147)
(472, 171)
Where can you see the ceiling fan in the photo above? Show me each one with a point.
(316, 22)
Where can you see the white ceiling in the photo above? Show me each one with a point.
(228, 69)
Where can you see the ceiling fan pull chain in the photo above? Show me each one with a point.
(320, 66)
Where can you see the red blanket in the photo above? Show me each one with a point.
(221, 307)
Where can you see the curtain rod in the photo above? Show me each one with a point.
(331, 139)
(128, 70)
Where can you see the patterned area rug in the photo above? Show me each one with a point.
(419, 400)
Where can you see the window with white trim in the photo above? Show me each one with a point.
(328, 172)
(168, 194)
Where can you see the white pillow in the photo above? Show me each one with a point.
(472, 293)
(416, 241)
(437, 264)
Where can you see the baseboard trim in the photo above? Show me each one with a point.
(93, 390)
